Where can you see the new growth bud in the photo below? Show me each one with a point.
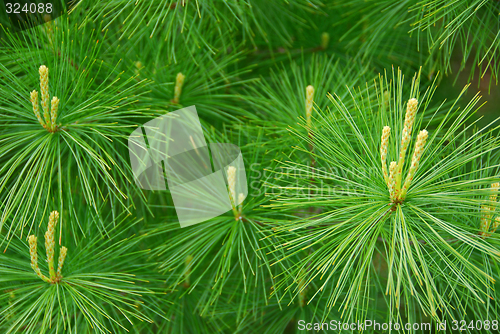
(34, 258)
(415, 160)
(50, 249)
(411, 110)
(231, 181)
(54, 105)
(44, 89)
(60, 262)
(36, 109)
(49, 113)
(50, 242)
(325, 38)
(393, 180)
(487, 226)
(309, 104)
(179, 81)
(384, 143)
(241, 198)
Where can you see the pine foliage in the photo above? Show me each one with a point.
(372, 176)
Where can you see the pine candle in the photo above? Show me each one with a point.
(54, 277)
(179, 82)
(309, 104)
(34, 258)
(396, 192)
(383, 151)
(49, 121)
